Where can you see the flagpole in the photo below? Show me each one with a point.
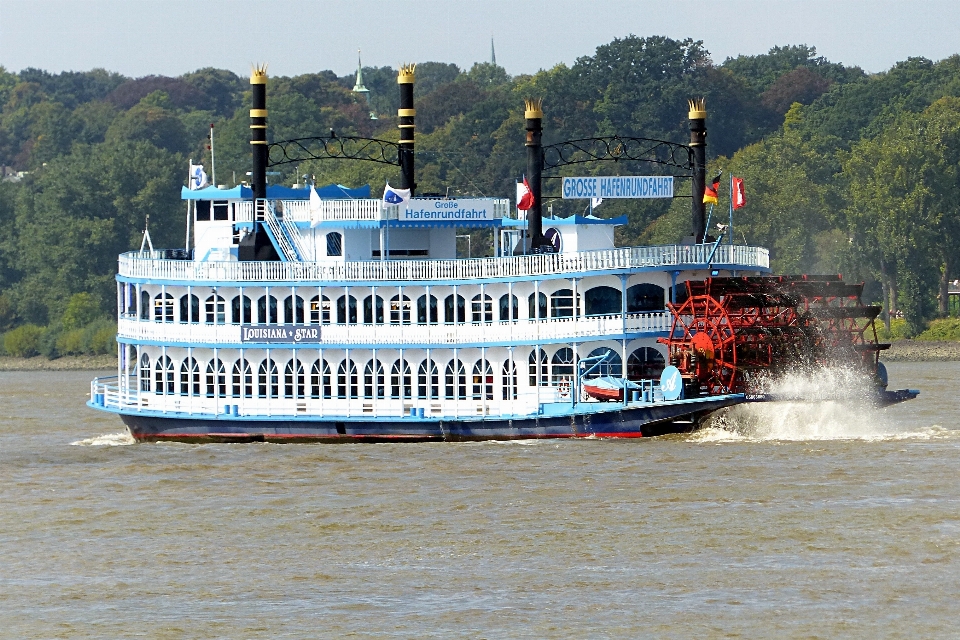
(731, 208)
(213, 163)
(186, 241)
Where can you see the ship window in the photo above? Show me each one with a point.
(537, 306)
(189, 309)
(399, 310)
(242, 379)
(482, 380)
(680, 293)
(293, 380)
(602, 301)
(506, 312)
(509, 380)
(346, 310)
(190, 378)
(216, 379)
(428, 380)
(448, 311)
(456, 381)
(293, 310)
(221, 210)
(347, 380)
(319, 310)
(612, 365)
(144, 372)
(562, 365)
(646, 363)
(561, 303)
(262, 315)
(268, 379)
(144, 305)
(163, 308)
(334, 244)
(203, 209)
(236, 317)
(538, 368)
(373, 310)
(164, 382)
(645, 298)
(422, 310)
(401, 384)
(373, 380)
(481, 308)
(320, 380)
(216, 308)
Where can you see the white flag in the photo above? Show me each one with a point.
(595, 202)
(316, 203)
(393, 197)
(198, 177)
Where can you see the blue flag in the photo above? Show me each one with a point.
(393, 197)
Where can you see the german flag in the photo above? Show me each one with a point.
(710, 191)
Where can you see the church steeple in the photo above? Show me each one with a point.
(493, 53)
(358, 85)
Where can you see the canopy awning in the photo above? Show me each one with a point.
(277, 192)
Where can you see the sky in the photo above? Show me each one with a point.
(172, 37)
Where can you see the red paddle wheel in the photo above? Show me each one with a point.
(729, 334)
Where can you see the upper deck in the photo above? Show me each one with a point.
(151, 266)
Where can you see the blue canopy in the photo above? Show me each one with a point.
(276, 192)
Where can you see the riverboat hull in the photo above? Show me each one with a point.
(632, 421)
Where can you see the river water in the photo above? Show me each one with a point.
(801, 520)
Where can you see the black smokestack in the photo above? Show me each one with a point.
(698, 141)
(258, 131)
(407, 115)
(534, 116)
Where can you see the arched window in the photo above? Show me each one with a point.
(645, 298)
(320, 386)
(242, 379)
(537, 303)
(373, 380)
(347, 386)
(481, 308)
(538, 368)
(293, 310)
(144, 305)
(241, 315)
(268, 378)
(399, 310)
(509, 380)
(454, 309)
(509, 309)
(401, 384)
(189, 308)
(602, 301)
(422, 317)
(456, 381)
(334, 244)
(163, 380)
(319, 310)
(144, 372)
(611, 366)
(216, 379)
(267, 310)
(428, 380)
(373, 310)
(561, 304)
(293, 380)
(190, 378)
(346, 310)
(216, 310)
(645, 363)
(163, 308)
(562, 366)
(482, 380)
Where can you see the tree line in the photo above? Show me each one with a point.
(845, 171)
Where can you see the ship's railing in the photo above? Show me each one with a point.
(516, 332)
(151, 265)
(110, 393)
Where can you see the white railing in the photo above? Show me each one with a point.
(451, 335)
(150, 265)
(370, 209)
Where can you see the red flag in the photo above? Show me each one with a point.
(739, 199)
(524, 196)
